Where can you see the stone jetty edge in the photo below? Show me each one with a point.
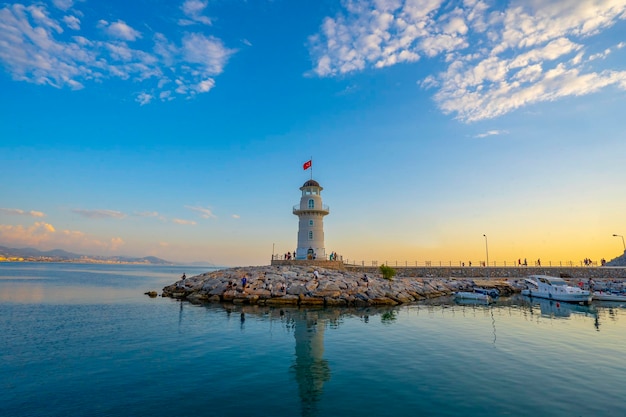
(299, 286)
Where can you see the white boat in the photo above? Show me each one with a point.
(491, 292)
(555, 288)
(466, 295)
(608, 296)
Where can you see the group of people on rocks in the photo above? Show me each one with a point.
(288, 256)
(281, 288)
(232, 286)
(333, 256)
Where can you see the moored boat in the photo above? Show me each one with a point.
(555, 288)
(608, 296)
(491, 292)
(467, 295)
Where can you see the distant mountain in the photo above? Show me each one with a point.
(619, 261)
(145, 260)
(27, 252)
(155, 260)
(201, 264)
(62, 255)
(57, 252)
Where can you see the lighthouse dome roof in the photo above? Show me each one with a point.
(311, 183)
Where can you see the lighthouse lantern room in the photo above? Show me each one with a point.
(311, 214)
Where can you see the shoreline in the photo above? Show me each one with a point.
(297, 285)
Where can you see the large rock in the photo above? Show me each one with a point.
(331, 301)
(297, 289)
(329, 286)
(287, 299)
(307, 300)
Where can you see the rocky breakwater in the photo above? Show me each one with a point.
(301, 285)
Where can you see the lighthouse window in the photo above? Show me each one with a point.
(310, 222)
(311, 203)
(310, 235)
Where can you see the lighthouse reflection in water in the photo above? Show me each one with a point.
(310, 368)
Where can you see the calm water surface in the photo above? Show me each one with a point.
(83, 340)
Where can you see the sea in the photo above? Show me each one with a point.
(84, 340)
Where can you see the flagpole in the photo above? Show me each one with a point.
(311, 167)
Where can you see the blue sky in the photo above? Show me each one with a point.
(179, 129)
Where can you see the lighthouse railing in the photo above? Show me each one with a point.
(324, 208)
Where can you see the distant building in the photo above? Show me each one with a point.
(311, 214)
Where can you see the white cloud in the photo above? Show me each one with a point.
(115, 243)
(193, 10)
(119, 30)
(20, 235)
(553, 50)
(205, 213)
(72, 22)
(100, 214)
(435, 45)
(491, 133)
(34, 48)
(185, 222)
(205, 85)
(498, 56)
(209, 52)
(63, 4)
(600, 55)
(236, 216)
(46, 236)
(144, 98)
(372, 33)
(20, 212)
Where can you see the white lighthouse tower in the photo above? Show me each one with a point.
(311, 213)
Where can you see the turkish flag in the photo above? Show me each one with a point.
(307, 164)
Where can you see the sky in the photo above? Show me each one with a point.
(440, 130)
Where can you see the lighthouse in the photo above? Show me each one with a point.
(311, 214)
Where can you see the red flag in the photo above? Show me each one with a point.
(307, 164)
